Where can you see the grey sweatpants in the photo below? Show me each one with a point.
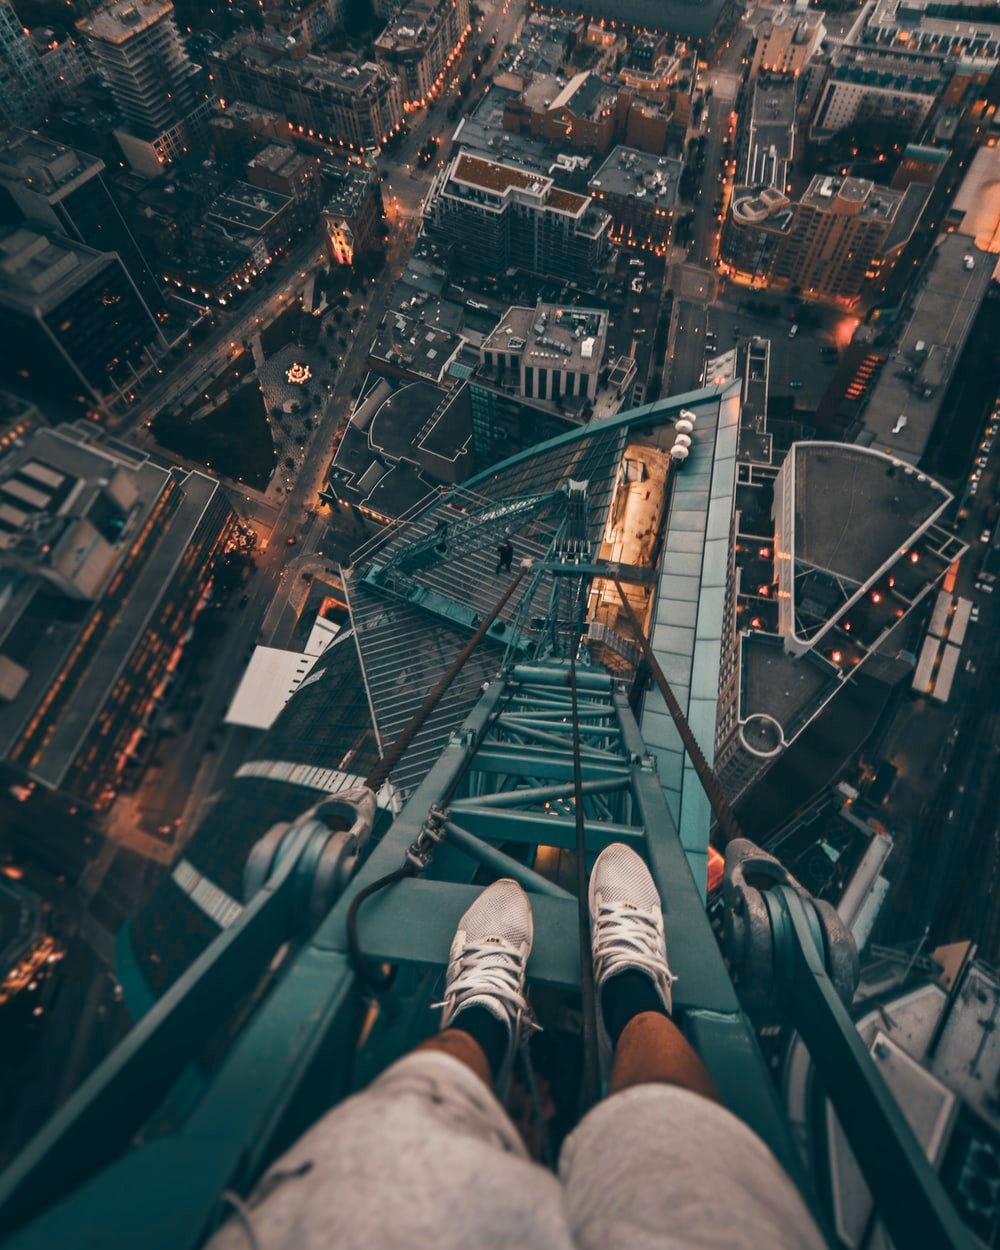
(427, 1159)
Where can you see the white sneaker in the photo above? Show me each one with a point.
(489, 959)
(626, 928)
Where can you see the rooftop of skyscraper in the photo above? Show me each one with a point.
(38, 270)
(639, 176)
(948, 296)
(120, 20)
(552, 336)
(75, 511)
(42, 164)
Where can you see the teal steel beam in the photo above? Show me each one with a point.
(558, 716)
(451, 610)
(165, 1195)
(908, 1193)
(497, 757)
(540, 701)
(727, 1045)
(528, 675)
(113, 1101)
(503, 865)
(544, 829)
(561, 731)
(415, 921)
(562, 741)
(713, 1020)
(634, 574)
(539, 794)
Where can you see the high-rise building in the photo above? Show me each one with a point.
(840, 235)
(65, 191)
(867, 83)
(105, 559)
(543, 371)
(23, 87)
(493, 217)
(141, 58)
(73, 322)
(549, 352)
(65, 63)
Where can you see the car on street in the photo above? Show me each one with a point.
(984, 537)
(793, 331)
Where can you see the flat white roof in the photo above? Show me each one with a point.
(271, 678)
(321, 635)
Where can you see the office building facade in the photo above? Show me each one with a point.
(830, 244)
(23, 87)
(352, 212)
(327, 102)
(65, 191)
(74, 323)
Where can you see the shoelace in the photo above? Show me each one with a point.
(628, 935)
(490, 968)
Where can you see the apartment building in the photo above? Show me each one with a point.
(421, 43)
(494, 217)
(141, 58)
(839, 236)
(330, 102)
(787, 41)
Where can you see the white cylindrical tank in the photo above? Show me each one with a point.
(682, 440)
(684, 426)
(679, 454)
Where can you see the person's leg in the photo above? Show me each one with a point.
(653, 1050)
(426, 1158)
(659, 1163)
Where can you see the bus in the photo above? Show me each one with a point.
(946, 674)
(923, 673)
(939, 617)
(960, 622)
